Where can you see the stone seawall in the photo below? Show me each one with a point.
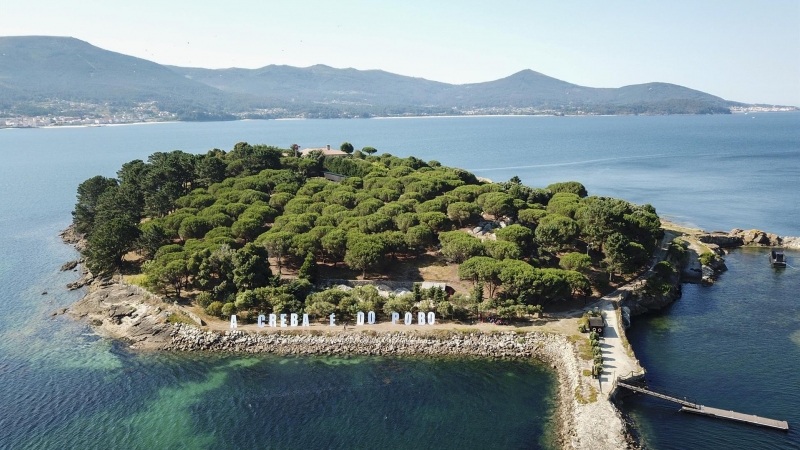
(425, 343)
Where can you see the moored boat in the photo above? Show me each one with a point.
(777, 258)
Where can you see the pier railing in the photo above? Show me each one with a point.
(695, 408)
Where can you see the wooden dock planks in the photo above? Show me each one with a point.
(702, 410)
(738, 417)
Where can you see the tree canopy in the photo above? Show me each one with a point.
(215, 224)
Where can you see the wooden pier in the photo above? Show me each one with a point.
(738, 417)
(694, 408)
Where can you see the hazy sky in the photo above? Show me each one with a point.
(740, 50)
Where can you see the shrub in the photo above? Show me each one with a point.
(204, 299)
(706, 258)
(214, 309)
(228, 309)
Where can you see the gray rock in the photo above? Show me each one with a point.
(722, 240)
(69, 265)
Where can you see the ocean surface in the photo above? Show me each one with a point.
(734, 345)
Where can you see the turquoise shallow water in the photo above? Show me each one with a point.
(60, 387)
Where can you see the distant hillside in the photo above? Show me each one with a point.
(320, 83)
(37, 72)
(37, 68)
(532, 89)
(525, 89)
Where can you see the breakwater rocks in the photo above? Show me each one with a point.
(369, 343)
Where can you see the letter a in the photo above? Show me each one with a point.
(233, 321)
(305, 320)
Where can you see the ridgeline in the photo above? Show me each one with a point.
(57, 77)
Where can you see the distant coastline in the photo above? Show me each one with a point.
(420, 116)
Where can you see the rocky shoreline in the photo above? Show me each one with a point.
(586, 418)
(132, 315)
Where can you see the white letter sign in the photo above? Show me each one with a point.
(233, 321)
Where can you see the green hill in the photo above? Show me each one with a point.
(38, 68)
(35, 70)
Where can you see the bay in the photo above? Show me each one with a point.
(63, 387)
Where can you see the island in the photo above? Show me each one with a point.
(263, 249)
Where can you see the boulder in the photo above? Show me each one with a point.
(715, 249)
(722, 240)
(69, 265)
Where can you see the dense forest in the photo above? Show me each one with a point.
(217, 229)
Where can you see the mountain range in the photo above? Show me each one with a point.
(45, 73)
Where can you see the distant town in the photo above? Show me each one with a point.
(83, 114)
(41, 114)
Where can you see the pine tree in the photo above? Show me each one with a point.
(308, 270)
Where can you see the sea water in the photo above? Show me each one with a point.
(62, 387)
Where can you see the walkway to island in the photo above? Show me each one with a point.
(694, 408)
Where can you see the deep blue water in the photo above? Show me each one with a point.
(60, 387)
(734, 345)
